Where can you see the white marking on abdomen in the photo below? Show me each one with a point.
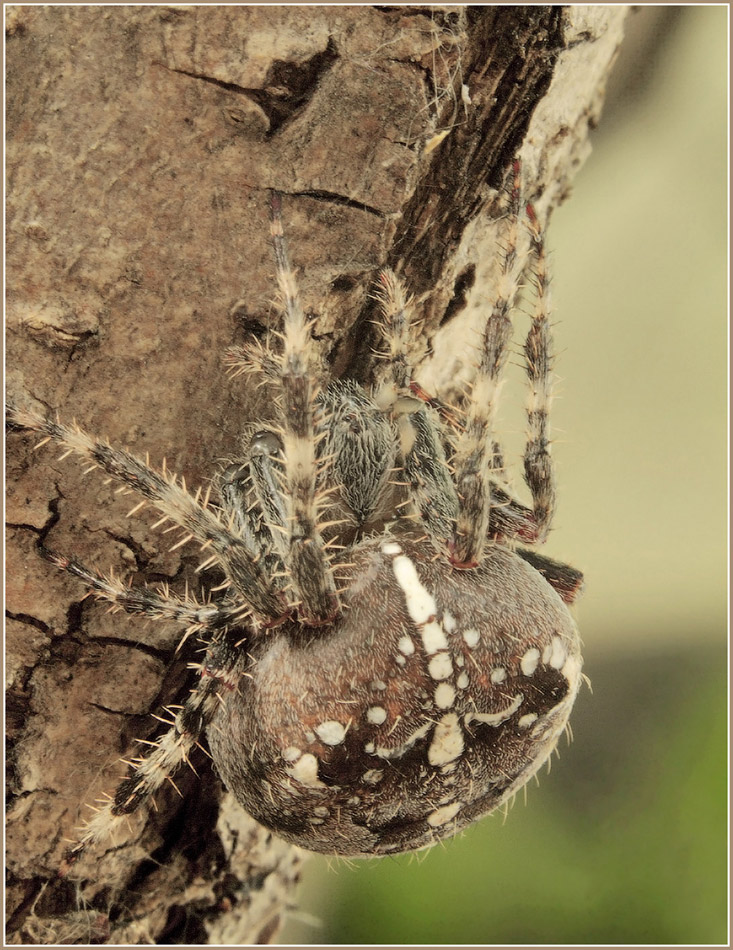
(529, 661)
(376, 715)
(433, 637)
(331, 732)
(405, 645)
(496, 719)
(305, 771)
(440, 666)
(385, 753)
(558, 654)
(443, 815)
(447, 742)
(471, 637)
(420, 603)
(526, 721)
(445, 696)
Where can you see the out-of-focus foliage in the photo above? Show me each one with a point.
(626, 841)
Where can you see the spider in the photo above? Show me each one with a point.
(386, 664)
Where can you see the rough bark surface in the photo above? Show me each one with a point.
(142, 144)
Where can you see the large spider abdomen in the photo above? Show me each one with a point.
(435, 697)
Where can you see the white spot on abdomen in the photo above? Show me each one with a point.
(433, 637)
(471, 637)
(571, 670)
(406, 646)
(526, 721)
(530, 661)
(558, 654)
(331, 732)
(394, 753)
(373, 776)
(305, 770)
(443, 815)
(421, 605)
(447, 742)
(376, 715)
(444, 696)
(440, 666)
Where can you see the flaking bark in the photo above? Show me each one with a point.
(142, 144)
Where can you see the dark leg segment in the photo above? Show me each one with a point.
(564, 579)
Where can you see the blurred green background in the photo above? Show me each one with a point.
(626, 841)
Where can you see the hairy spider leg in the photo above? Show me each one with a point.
(538, 468)
(159, 604)
(431, 487)
(231, 551)
(395, 327)
(251, 493)
(426, 468)
(476, 450)
(170, 751)
(508, 517)
(306, 558)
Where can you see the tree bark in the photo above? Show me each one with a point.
(142, 142)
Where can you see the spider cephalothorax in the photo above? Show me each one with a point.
(385, 666)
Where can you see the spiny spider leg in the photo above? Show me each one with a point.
(446, 413)
(170, 752)
(475, 451)
(306, 559)
(265, 466)
(235, 556)
(258, 477)
(160, 604)
(538, 468)
(395, 327)
(508, 518)
(431, 486)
